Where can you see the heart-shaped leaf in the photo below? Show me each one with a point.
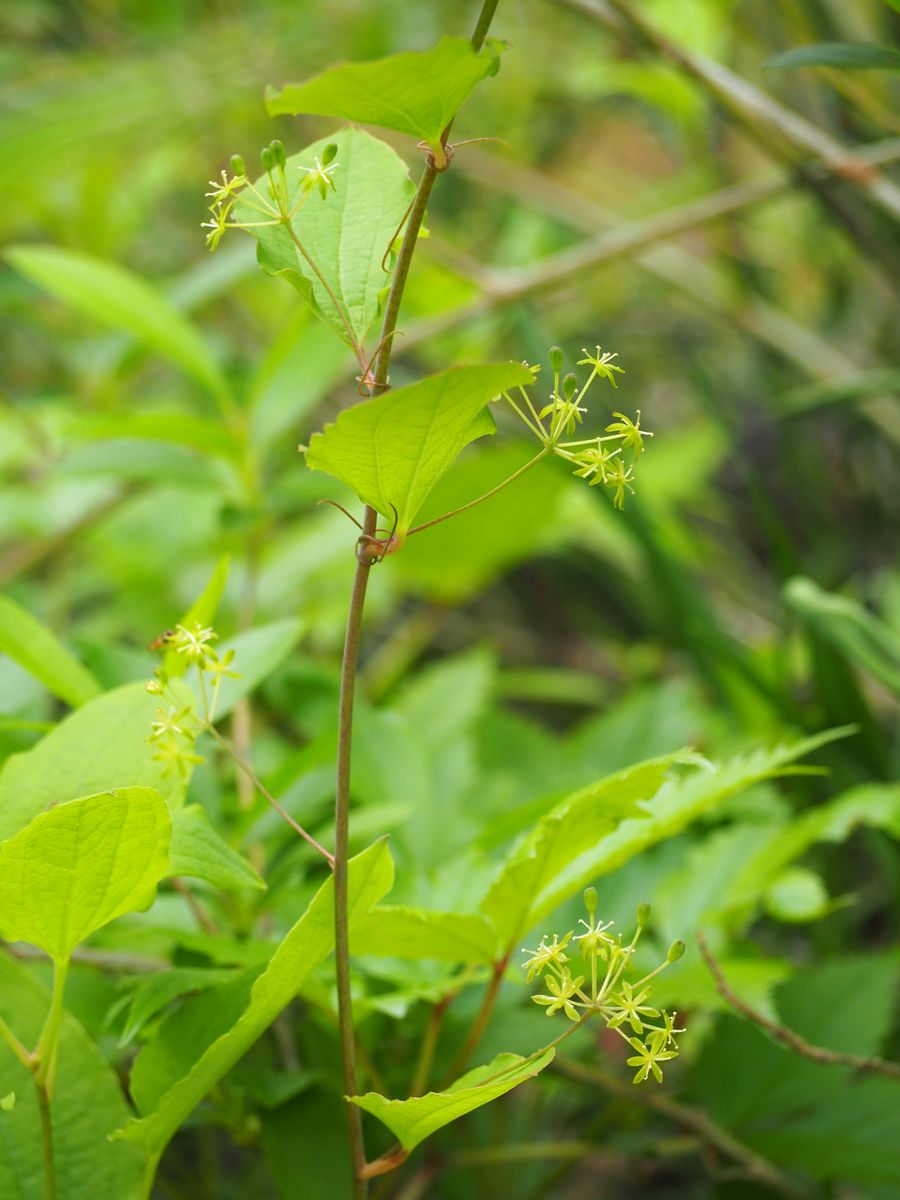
(413, 1120)
(346, 234)
(393, 449)
(75, 868)
(415, 93)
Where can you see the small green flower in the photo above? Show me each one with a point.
(619, 477)
(167, 724)
(630, 431)
(563, 990)
(602, 364)
(320, 176)
(630, 1007)
(649, 1055)
(593, 463)
(595, 939)
(227, 189)
(194, 643)
(545, 956)
(218, 667)
(175, 757)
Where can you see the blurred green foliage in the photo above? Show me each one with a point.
(749, 594)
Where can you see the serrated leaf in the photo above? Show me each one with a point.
(416, 93)
(103, 745)
(854, 56)
(346, 234)
(398, 931)
(112, 295)
(677, 803)
(572, 826)
(199, 851)
(87, 1104)
(77, 867)
(393, 449)
(304, 947)
(413, 1120)
(37, 649)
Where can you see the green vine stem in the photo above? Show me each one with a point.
(454, 512)
(349, 663)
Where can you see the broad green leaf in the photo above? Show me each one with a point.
(674, 806)
(112, 295)
(199, 851)
(87, 1104)
(393, 449)
(865, 640)
(297, 956)
(413, 1120)
(797, 895)
(416, 93)
(572, 827)
(77, 867)
(175, 428)
(202, 612)
(347, 234)
(396, 931)
(103, 745)
(257, 653)
(33, 646)
(154, 992)
(855, 56)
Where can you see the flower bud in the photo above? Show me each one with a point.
(570, 385)
(237, 165)
(329, 153)
(675, 951)
(590, 900)
(643, 913)
(278, 154)
(556, 359)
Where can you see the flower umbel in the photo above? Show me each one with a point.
(609, 459)
(621, 1003)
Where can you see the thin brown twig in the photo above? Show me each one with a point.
(863, 1063)
(713, 1135)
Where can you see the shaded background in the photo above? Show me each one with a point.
(751, 294)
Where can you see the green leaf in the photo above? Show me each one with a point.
(174, 428)
(397, 931)
(572, 827)
(257, 653)
(112, 295)
(202, 612)
(393, 449)
(154, 992)
(674, 806)
(414, 93)
(413, 1120)
(855, 56)
(103, 745)
(36, 648)
(199, 851)
(87, 1104)
(347, 234)
(297, 956)
(866, 641)
(77, 867)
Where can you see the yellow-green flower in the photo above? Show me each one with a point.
(563, 990)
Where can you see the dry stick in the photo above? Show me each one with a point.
(349, 663)
(755, 1166)
(747, 103)
(864, 1063)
